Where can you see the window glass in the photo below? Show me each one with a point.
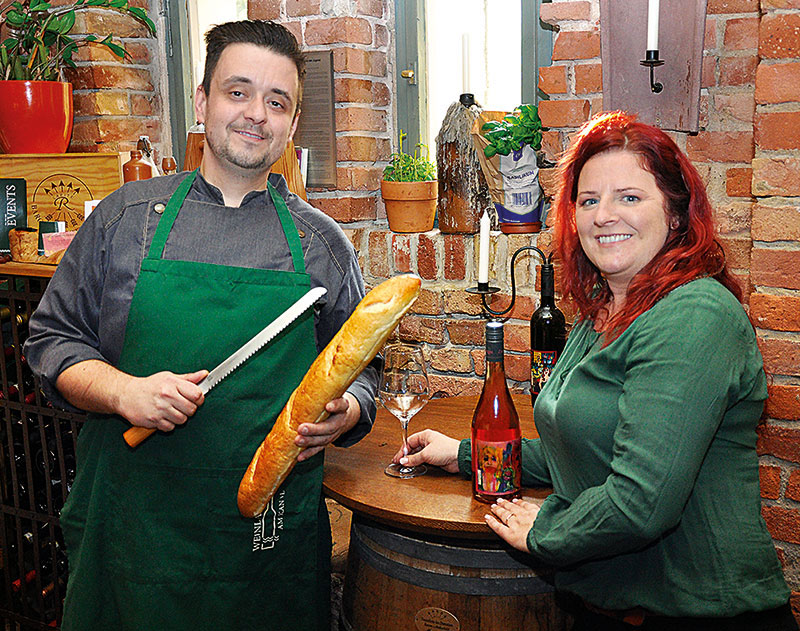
(203, 14)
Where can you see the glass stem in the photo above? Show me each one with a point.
(404, 427)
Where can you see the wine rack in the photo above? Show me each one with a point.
(37, 467)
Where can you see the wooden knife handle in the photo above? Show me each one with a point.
(135, 436)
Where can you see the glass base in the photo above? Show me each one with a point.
(400, 471)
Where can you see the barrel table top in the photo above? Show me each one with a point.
(438, 502)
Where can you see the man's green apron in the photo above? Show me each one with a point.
(154, 538)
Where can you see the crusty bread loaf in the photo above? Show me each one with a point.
(347, 354)
(24, 246)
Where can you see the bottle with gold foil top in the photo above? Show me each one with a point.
(136, 168)
(496, 434)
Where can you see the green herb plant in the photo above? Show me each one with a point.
(40, 46)
(406, 167)
(522, 127)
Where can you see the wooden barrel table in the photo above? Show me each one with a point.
(421, 557)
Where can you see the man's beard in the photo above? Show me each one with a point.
(242, 159)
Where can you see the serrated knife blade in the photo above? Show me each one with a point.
(135, 435)
(259, 340)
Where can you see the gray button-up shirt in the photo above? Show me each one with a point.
(84, 310)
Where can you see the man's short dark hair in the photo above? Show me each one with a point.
(264, 33)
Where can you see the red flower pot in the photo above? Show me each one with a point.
(36, 116)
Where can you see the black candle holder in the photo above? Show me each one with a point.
(484, 289)
(651, 59)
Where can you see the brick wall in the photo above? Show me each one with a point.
(116, 101)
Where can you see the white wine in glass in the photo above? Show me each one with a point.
(404, 390)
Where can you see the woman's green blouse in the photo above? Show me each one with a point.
(649, 444)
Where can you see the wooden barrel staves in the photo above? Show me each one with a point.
(403, 581)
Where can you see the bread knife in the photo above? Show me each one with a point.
(135, 435)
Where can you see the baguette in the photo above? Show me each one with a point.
(342, 360)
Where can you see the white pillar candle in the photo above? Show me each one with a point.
(465, 63)
(483, 250)
(652, 24)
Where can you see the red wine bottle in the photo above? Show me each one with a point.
(548, 334)
(496, 436)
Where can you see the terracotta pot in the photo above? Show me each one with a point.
(36, 116)
(410, 206)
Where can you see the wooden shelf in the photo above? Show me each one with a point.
(14, 268)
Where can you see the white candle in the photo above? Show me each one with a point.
(465, 63)
(652, 24)
(483, 251)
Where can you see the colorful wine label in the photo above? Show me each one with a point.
(542, 363)
(498, 466)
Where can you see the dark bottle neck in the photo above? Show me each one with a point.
(494, 349)
(548, 285)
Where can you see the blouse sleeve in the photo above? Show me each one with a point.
(682, 369)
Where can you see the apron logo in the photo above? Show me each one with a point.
(266, 527)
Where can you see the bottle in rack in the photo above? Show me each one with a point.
(548, 334)
(496, 435)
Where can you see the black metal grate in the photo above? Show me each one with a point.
(37, 467)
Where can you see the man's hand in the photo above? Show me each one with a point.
(160, 401)
(163, 400)
(344, 414)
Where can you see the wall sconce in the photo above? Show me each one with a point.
(629, 28)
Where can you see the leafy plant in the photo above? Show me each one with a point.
(40, 46)
(522, 127)
(406, 167)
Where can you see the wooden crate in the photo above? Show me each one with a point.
(59, 184)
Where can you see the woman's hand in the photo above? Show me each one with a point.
(512, 521)
(430, 447)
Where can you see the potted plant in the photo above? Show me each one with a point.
(36, 116)
(409, 189)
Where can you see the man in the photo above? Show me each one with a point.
(164, 280)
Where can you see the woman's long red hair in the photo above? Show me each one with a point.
(691, 250)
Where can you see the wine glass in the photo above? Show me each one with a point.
(404, 390)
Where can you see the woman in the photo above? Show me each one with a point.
(648, 421)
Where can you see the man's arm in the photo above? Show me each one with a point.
(160, 401)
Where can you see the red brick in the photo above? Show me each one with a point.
(576, 45)
(381, 95)
(793, 486)
(113, 130)
(776, 176)
(347, 209)
(733, 218)
(356, 61)
(554, 12)
(779, 4)
(428, 303)
(298, 8)
(381, 36)
(458, 301)
(378, 253)
(115, 77)
(455, 259)
(770, 478)
(780, 313)
(784, 402)
(451, 360)
(422, 329)
(779, 36)
(781, 356)
(361, 149)
(357, 178)
(740, 106)
(732, 6)
(734, 71)
(426, 258)
(588, 78)
(552, 147)
(263, 9)
(778, 83)
(741, 33)
(776, 268)
(710, 35)
(360, 119)
(145, 105)
(466, 332)
(720, 146)
(569, 113)
(738, 181)
(518, 368)
(737, 250)
(708, 76)
(348, 30)
(104, 22)
(103, 102)
(456, 386)
(137, 53)
(777, 130)
(373, 8)
(553, 79)
(401, 252)
(782, 523)
(776, 223)
(781, 442)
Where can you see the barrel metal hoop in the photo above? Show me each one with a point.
(472, 586)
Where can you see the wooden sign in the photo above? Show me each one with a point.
(59, 184)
